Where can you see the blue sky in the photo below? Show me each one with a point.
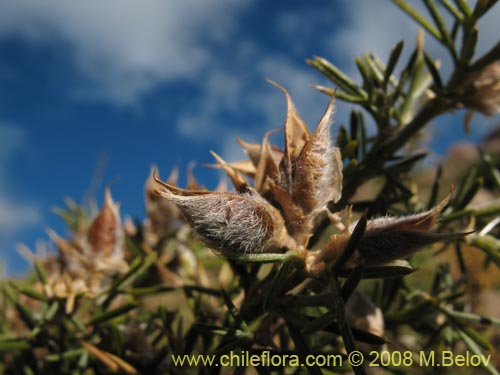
(92, 93)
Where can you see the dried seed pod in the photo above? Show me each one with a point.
(311, 168)
(235, 224)
(385, 240)
(317, 173)
(105, 235)
(390, 238)
(253, 150)
(385, 245)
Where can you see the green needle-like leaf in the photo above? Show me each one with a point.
(337, 76)
(29, 291)
(441, 25)
(476, 349)
(434, 72)
(464, 7)
(393, 60)
(14, 345)
(40, 272)
(452, 9)
(419, 18)
(490, 245)
(111, 314)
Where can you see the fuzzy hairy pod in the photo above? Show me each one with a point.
(385, 240)
(384, 245)
(311, 168)
(234, 224)
(390, 238)
(317, 173)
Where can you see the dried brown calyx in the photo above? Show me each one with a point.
(87, 263)
(310, 171)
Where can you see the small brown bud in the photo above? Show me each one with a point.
(105, 235)
(235, 224)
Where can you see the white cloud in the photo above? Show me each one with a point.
(127, 47)
(15, 215)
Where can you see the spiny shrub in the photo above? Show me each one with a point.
(323, 247)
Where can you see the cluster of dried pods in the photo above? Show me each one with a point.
(87, 263)
(291, 189)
